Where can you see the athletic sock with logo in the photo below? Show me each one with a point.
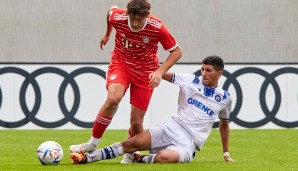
(108, 152)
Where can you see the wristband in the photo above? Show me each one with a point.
(226, 154)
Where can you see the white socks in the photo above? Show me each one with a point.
(94, 141)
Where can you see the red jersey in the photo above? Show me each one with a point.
(137, 50)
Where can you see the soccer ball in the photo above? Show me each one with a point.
(49, 153)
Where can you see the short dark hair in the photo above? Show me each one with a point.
(215, 61)
(138, 8)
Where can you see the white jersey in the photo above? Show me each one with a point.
(199, 105)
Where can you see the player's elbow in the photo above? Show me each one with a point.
(178, 53)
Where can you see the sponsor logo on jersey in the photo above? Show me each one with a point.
(200, 106)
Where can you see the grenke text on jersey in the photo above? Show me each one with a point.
(201, 106)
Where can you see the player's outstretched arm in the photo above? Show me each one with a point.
(225, 133)
(104, 40)
(156, 76)
(167, 76)
(173, 57)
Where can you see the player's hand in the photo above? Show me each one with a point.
(228, 159)
(104, 41)
(155, 78)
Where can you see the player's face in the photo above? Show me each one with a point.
(137, 22)
(209, 75)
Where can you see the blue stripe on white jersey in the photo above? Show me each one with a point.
(196, 80)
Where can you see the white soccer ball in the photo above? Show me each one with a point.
(49, 153)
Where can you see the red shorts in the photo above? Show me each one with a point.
(140, 92)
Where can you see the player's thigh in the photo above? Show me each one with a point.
(117, 83)
(159, 140)
(117, 74)
(140, 97)
(170, 135)
(116, 92)
(182, 143)
(136, 115)
(141, 141)
(175, 151)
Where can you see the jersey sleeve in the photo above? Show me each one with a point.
(225, 113)
(112, 11)
(167, 41)
(184, 79)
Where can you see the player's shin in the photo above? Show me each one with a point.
(100, 125)
(108, 152)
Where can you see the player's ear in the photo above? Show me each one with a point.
(219, 74)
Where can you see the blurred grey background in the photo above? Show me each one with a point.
(66, 31)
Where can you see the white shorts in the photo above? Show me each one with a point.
(171, 135)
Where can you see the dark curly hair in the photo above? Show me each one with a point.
(139, 8)
(215, 61)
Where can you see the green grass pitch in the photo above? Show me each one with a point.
(252, 149)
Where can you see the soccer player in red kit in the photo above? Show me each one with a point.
(134, 64)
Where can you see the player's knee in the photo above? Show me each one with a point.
(112, 103)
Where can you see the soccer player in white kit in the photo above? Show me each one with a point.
(200, 102)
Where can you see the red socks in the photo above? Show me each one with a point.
(100, 125)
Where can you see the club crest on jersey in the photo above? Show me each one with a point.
(113, 77)
(146, 39)
(209, 91)
(122, 35)
(217, 98)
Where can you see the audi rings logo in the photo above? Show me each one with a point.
(270, 79)
(269, 108)
(30, 79)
